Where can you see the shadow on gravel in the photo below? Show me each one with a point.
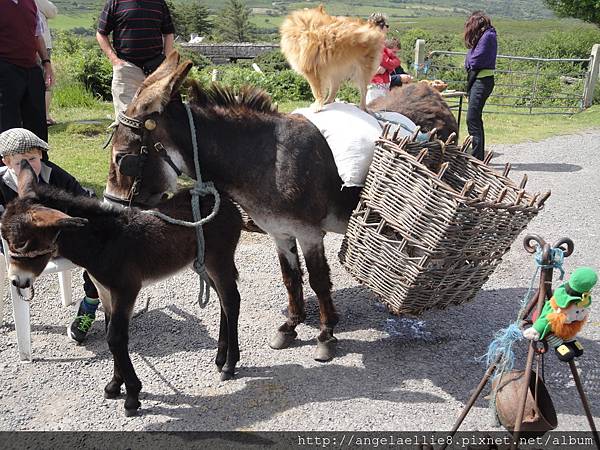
(442, 347)
(275, 390)
(158, 332)
(541, 167)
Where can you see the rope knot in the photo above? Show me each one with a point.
(200, 268)
(204, 188)
(557, 258)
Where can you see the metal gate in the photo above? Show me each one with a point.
(523, 85)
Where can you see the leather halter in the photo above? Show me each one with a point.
(53, 248)
(200, 189)
(132, 165)
(33, 253)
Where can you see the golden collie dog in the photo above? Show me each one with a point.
(328, 50)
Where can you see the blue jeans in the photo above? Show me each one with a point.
(480, 91)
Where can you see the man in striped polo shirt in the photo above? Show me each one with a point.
(142, 34)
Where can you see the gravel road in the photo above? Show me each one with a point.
(391, 373)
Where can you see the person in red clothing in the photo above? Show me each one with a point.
(380, 83)
(398, 77)
(22, 102)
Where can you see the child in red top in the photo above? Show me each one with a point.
(380, 83)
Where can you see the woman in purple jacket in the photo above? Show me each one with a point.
(480, 62)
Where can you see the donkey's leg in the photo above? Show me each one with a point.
(118, 338)
(228, 353)
(320, 282)
(223, 343)
(113, 389)
(221, 241)
(291, 271)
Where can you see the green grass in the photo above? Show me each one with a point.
(76, 144)
(64, 22)
(512, 129)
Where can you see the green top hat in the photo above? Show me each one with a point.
(581, 282)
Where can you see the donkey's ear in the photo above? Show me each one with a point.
(48, 217)
(155, 97)
(27, 180)
(180, 75)
(166, 68)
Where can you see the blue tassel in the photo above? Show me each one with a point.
(502, 345)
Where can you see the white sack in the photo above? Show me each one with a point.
(351, 134)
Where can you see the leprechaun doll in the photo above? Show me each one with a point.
(565, 314)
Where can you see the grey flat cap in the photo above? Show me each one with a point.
(19, 140)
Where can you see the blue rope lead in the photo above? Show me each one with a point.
(557, 258)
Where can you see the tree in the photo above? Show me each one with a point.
(233, 23)
(190, 17)
(587, 10)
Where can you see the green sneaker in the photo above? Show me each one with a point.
(79, 328)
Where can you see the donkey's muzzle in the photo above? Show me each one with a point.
(130, 165)
(19, 283)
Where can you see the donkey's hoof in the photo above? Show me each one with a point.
(226, 376)
(283, 339)
(111, 395)
(112, 390)
(325, 350)
(131, 412)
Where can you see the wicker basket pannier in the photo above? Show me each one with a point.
(432, 224)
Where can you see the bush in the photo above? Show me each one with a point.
(272, 61)
(68, 95)
(81, 61)
(349, 93)
(200, 61)
(95, 72)
(285, 85)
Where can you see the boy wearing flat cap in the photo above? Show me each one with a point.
(17, 144)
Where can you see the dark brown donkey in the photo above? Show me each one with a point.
(123, 249)
(278, 167)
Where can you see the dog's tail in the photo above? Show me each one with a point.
(301, 37)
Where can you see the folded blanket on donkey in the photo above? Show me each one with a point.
(351, 134)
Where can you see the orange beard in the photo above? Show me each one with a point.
(565, 331)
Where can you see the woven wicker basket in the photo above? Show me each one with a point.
(432, 224)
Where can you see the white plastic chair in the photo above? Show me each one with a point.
(61, 266)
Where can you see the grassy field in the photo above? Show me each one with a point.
(64, 22)
(506, 8)
(76, 142)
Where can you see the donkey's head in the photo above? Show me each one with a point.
(31, 231)
(144, 163)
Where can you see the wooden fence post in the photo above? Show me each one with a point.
(419, 56)
(588, 95)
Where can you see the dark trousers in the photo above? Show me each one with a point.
(22, 99)
(395, 80)
(88, 286)
(479, 93)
